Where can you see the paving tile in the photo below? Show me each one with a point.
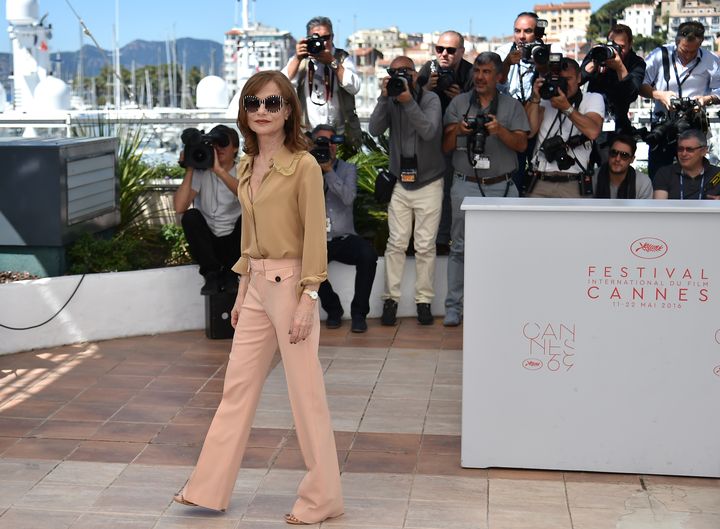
(404, 443)
(450, 489)
(686, 499)
(445, 465)
(387, 513)
(162, 398)
(25, 469)
(139, 368)
(10, 427)
(183, 434)
(651, 481)
(41, 449)
(168, 455)
(7, 442)
(127, 431)
(375, 485)
(270, 507)
(60, 496)
(249, 479)
(136, 413)
(524, 474)
(163, 383)
(53, 429)
(87, 411)
(386, 462)
(85, 473)
(13, 491)
(194, 416)
(540, 518)
(175, 522)
(30, 409)
(108, 451)
(506, 493)
(145, 500)
(154, 476)
(205, 399)
(124, 381)
(16, 518)
(103, 395)
(614, 496)
(440, 444)
(281, 481)
(343, 440)
(446, 515)
(601, 477)
(269, 437)
(191, 371)
(114, 521)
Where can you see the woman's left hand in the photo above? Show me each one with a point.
(303, 319)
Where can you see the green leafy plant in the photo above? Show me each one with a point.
(120, 253)
(133, 175)
(174, 237)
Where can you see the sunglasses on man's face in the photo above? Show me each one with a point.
(440, 49)
(690, 149)
(614, 153)
(323, 38)
(272, 103)
(691, 34)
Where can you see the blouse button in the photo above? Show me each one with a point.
(277, 279)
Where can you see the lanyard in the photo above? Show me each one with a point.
(687, 72)
(700, 190)
(328, 80)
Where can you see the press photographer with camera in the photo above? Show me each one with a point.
(413, 116)
(326, 81)
(676, 72)
(343, 243)
(448, 75)
(614, 70)
(212, 226)
(523, 59)
(484, 131)
(565, 122)
(693, 177)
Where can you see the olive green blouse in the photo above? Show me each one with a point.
(286, 218)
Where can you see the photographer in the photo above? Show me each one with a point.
(448, 75)
(343, 244)
(413, 116)
(565, 122)
(326, 81)
(212, 227)
(522, 58)
(693, 177)
(680, 70)
(484, 130)
(615, 71)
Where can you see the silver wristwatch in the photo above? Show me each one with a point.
(312, 293)
(568, 111)
(334, 64)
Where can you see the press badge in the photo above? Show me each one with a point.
(408, 169)
(481, 162)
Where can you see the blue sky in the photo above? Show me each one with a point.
(209, 19)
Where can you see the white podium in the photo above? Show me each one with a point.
(592, 335)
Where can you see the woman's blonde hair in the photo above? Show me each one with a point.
(295, 140)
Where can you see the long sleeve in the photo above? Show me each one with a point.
(351, 80)
(311, 207)
(342, 182)
(380, 117)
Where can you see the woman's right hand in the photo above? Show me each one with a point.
(239, 299)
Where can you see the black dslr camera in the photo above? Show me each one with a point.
(604, 52)
(555, 150)
(315, 44)
(397, 83)
(536, 51)
(199, 152)
(321, 147)
(478, 135)
(554, 82)
(446, 76)
(685, 113)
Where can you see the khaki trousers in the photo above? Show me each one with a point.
(544, 189)
(263, 325)
(420, 208)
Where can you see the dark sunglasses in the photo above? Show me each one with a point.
(622, 154)
(690, 149)
(691, 33)
(272, 104)
(398, 71)
(440, 49)
(323, 38)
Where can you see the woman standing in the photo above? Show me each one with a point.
(283, 261)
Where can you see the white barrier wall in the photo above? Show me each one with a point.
(592, 336)
(151, 302)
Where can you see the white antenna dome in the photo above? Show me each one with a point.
(212, 92)
(51, 94)
(22, 12)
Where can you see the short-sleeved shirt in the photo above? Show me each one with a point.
(554, 120)
(503, 160)
(520, 77)
(220, 206)
(703, 79)
(671, 179)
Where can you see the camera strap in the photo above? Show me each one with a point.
(687, 74)
(328, 81)
(492, 108)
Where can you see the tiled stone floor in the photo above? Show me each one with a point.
(100, 435)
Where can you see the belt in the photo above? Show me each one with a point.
(558, 176)
(487, 180)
